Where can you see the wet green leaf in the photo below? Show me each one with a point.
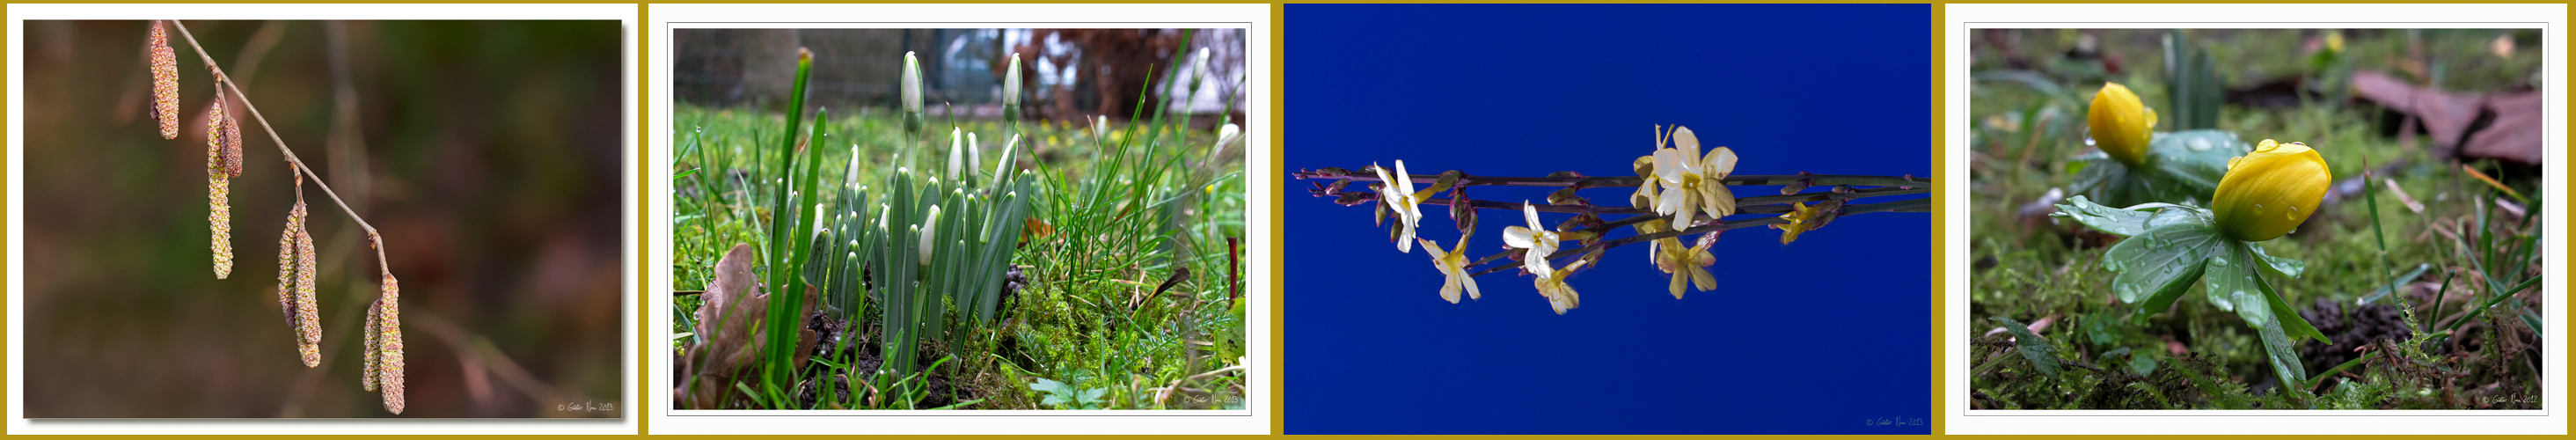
(2297, 326)
(2284, 267)
(2230, 284)
(2161, 261)
(2278, 345)
(2115, 221)
(2042, 355)
(2182, 167)
(2190, 163)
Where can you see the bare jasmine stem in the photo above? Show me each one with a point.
(221, 78)
(1825, 180)
(1744, 205)
(1915, 205)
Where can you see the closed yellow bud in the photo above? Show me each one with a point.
(2121, 124)
(2270, 191)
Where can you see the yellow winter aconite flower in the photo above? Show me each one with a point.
(2121, 124)
(2270, 191)
(1560, 296)
(1452, 264)
(1398, 195)
(1686, 263)
(1801, 218)
(1692, 181)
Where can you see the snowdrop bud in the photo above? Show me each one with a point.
(1228, 135)
(911, 83)
(1198, 69)
(1011, 83)
(955, 152)
(1100, 127)
(929, 231)
(974, 156)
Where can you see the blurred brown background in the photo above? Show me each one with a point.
(486, 152)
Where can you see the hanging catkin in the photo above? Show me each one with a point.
(308, 324)
(286, 274)
(389, 345)
(232, 143)
(165, 81)
(219, 210)
(367, 379)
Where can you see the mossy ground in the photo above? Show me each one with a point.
(2032, 267)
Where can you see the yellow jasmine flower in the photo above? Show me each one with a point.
(2121, 124)
(2270, 191)
(1560, 296)
(1536, 238)
(1801, 218)
(1693, 179)
(1646, 188)
(1398, 195)
(1685, 263)
(1454, 265)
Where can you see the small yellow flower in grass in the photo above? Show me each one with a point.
(2270, 191)
(1452, 263)
(1398, 194)
(1560, 296)
(2121, 124)
(1801, 218)
(1686, 263)
(1692, 181)
(1537, 238)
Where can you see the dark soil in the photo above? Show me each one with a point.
(2349, 327)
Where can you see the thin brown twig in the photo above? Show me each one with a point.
(281, 141)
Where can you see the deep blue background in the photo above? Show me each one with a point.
(1822, 336)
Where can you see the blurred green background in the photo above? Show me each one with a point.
(486, 152)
